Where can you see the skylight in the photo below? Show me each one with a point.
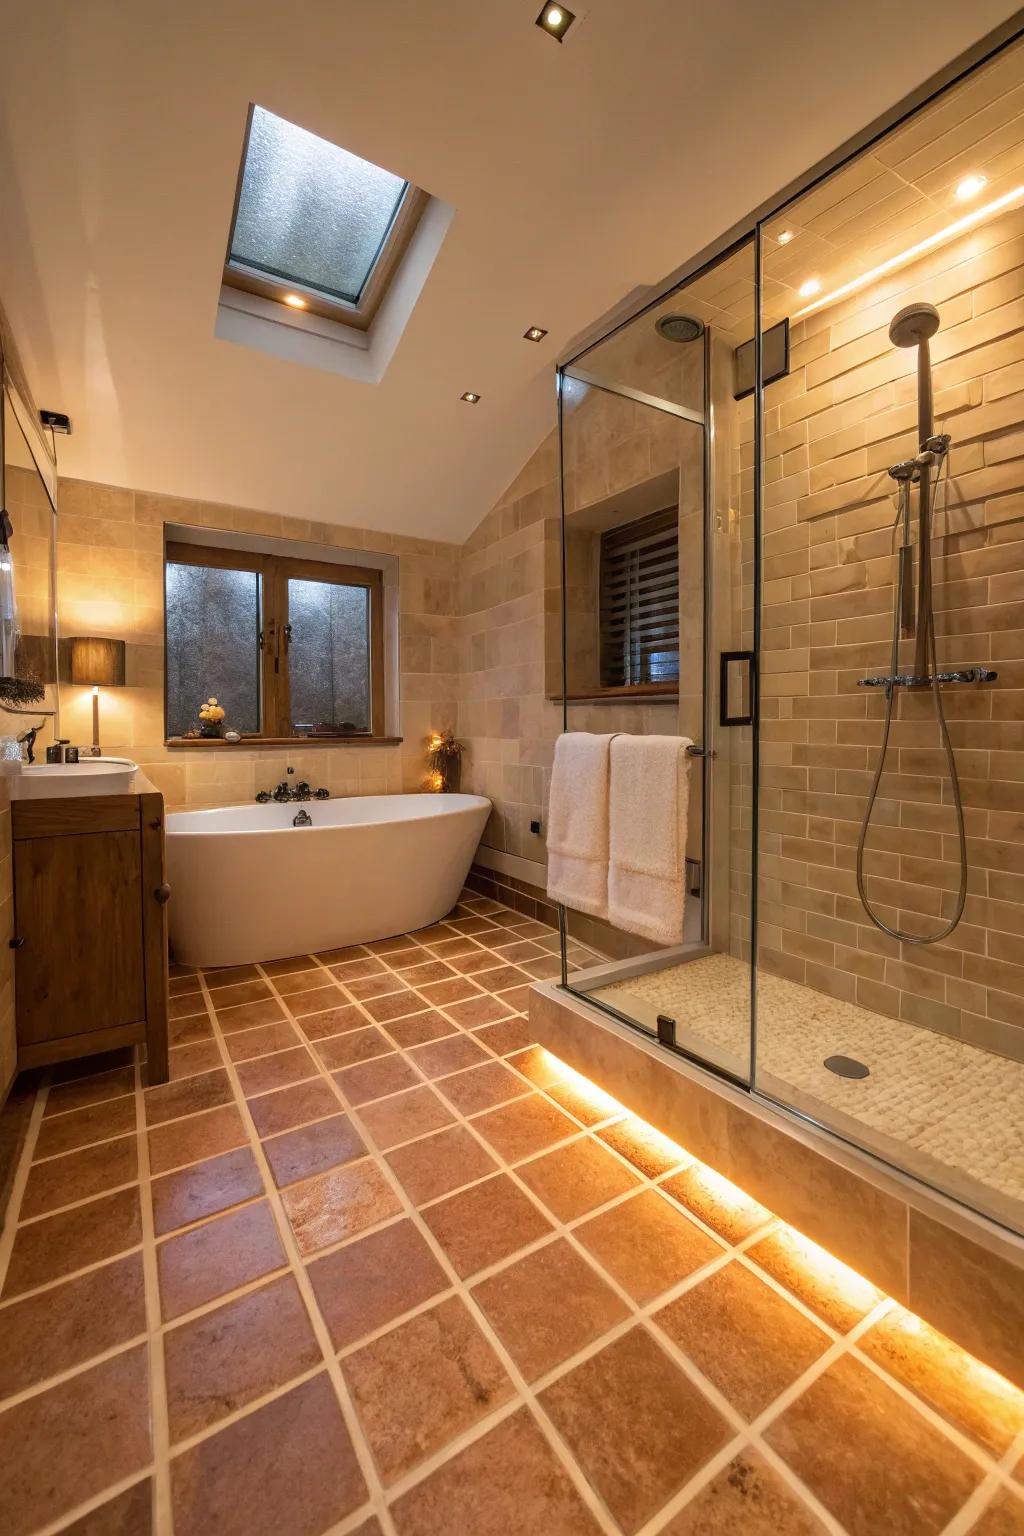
(316, 226)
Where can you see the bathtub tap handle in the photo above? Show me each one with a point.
(302, 790)
(263, 798)
(302, 819)
(321, 794)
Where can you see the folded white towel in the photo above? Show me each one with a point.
(648, 795)
(578, 823)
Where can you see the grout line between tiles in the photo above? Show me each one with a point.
(10, 1227)
(162, 1518)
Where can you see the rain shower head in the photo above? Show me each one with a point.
(913, 325)
(679, 328)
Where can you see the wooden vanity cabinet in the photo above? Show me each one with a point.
(90, 928)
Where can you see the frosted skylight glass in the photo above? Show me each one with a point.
(309, 212)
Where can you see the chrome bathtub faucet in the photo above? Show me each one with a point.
(302, 819)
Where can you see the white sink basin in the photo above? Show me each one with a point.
(92, 776)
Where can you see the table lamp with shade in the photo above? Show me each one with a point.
(97, 663)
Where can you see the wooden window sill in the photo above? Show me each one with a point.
(248, 742)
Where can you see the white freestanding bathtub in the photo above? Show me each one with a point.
(248, 885)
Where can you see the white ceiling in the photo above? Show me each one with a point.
(579, 173)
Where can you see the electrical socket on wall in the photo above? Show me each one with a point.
(535, 828)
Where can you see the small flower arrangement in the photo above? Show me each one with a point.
(211, 714)
(444, 758)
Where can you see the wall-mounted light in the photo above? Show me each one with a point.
(97, 663)
(294, 301)
(810, 288)
(535, 333)
(555, 20)
(470, 397)
(969, 187)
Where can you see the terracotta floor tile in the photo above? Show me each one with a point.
(276, 1112)
(543, 970)
(247, 1015)
(333, 1021)
(395, 1005)
(746, 1499)
(375, 986)
(486, 1223)
(374, 1079)
(230, 975)
(200, 1136)
(312, 1149)
(873, 1461)
(257, 991)
(282, 1069)
(745, 1338)
(394, 945)
(89, 1090)
(412, 954)
(338, 1204)
(482, 1087)
(177, 986)
(188, 1060)
(525, 1126)
(422, 1384)
(352, 970)
(587, 1103)
(448, 949)
(644, 1147)
(79, 1175)
(368, 1283)
(962, 1391)
(68, 1324)
(430, 970)
(646, 1244)
(548, 1306)
(404, 1116)
(348, 952)
(476, 960)
(419, 1028)
(207, 1261)
(127, 1514)
(100, 1421)
(471, 925)
(506, 1036)
(299, 981)
(501, 977)
(440, 993)
(518, 951)
(507, 1483)
(187, 1004)
(452, 1054)
(99, 1122)
(432, 933)
(357, 1045)
(435, 1165)
(636, 1424)
(538, 1065)
(287, 1467)
(287, 967)
(517, 998)
(187, 1032)
(576, 1179)
(841, 1302)
(170, 1101)
(204, 1189)
(55, 1246)
(719, 1204)
(249, 1043)
(478, 1010)
(315, 1000)
(1004, 1516)
(217, 1363)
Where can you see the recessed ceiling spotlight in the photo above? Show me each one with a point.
(535, 333)
(970, 187)
(470, 397)
(784, 236)
(810, 288)
(294, 301)
(555, 20)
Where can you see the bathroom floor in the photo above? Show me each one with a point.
(373, 1262)
(947, 1109)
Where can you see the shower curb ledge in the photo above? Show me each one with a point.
(959, 1271)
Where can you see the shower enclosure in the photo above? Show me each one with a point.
(793, 534)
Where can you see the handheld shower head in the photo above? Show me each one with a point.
(914, 325)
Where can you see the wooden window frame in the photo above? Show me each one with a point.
(275, 571)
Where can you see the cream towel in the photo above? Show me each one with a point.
(578, 823)
(650, 783)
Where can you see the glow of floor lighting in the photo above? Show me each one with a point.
(958, 227)
(828, 1272)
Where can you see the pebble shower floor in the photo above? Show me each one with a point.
(374, 1262)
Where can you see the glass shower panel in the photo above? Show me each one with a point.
(658, 507)
(892, 650)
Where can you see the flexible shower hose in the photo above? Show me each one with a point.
(947, 747)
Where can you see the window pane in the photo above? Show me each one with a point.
(213, 625)
(640, 601)
(329, 655)
(309, 211)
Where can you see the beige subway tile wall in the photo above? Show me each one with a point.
(846, 412)
(110, 582)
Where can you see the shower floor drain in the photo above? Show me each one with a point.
(847, 1066)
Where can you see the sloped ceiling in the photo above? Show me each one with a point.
(579, 173)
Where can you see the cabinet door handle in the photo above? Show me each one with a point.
(162, 893)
